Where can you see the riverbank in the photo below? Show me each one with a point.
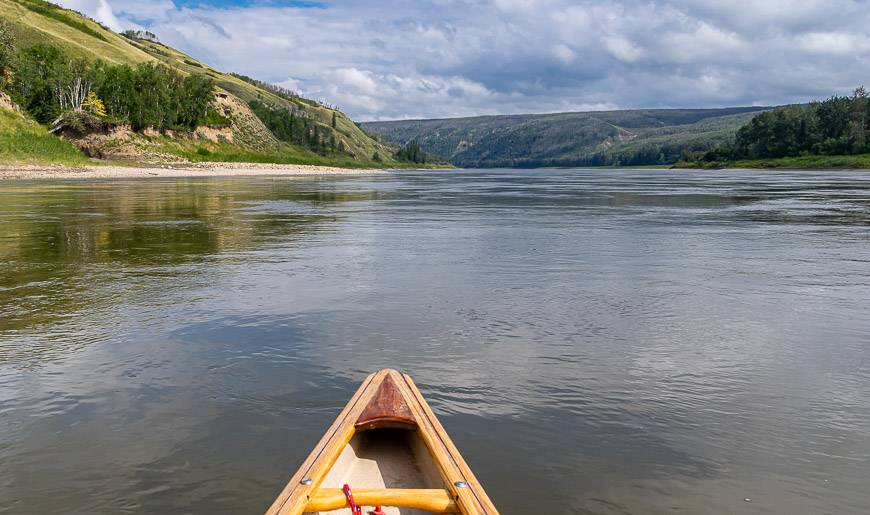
(54, 172)
(848, 162)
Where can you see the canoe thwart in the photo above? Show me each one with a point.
(387, 409)
(433, 500)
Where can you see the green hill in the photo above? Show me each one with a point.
(598, 138)
(247, 137)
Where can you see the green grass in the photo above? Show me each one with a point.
(32, 26)
(208, 151)
(54, 12)
(24, 141)
(215, 119)
(801, 162)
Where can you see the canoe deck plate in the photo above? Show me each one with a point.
(387, 409)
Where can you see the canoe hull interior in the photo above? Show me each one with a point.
(384, 458)
(389, 447)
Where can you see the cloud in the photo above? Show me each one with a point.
(99, 10)
(835, 43)
(622, 49)
(435, 58)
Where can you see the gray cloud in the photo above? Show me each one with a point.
(438, 58)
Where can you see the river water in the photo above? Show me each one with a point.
(601, 342)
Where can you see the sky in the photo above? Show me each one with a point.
(399, 59)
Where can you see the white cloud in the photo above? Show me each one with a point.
(564, 54)
(433, 58)
(703, 43)
(360, 81)
(376, 95)
(835, 43)
(622, 49)
(99, 10)
(105, 15)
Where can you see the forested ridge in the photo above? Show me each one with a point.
(603, 138)
(806, 135)
(838, 126)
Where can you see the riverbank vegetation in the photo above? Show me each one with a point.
(197, 151)
(24, 141)
(834, 133)
(412, 153)
(65, 92)
(129, 97)
(805, 162)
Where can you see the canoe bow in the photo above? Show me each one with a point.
(386, 400)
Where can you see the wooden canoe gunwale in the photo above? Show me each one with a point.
(295, 496)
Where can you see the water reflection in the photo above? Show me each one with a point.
(63, 247)
(596, 342)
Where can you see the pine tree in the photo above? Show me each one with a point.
(334, 120)
(411, 153)
(859, 120)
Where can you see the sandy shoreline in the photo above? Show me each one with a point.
(35, 172)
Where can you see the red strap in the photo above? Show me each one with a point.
(356, 510)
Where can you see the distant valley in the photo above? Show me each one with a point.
(597, 138)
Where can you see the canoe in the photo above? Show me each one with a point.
(388, 453)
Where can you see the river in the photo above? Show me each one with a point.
(595, 342)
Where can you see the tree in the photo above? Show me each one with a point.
(411, 153)
(40, 71)
(152, 95)
(858, 127)
(114, 85)
(192, 100)
(73, 87)
(48, 84)
(838, 125)
(7, 53)
(334, 120)
(94, 105)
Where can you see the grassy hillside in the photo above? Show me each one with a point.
(25, 141)
(35, 21)
(357, 142)
(603, 138)
(78, 35)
